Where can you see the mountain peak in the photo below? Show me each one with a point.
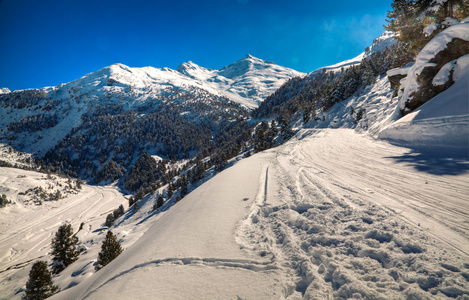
(187, 66)
(241, 67)
(192, 69)
(4, 90)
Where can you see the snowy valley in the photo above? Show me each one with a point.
(352, 192)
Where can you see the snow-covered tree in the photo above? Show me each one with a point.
(39, 285)
(110, 249)
(286, 131)
(416, 22)
(64, 250)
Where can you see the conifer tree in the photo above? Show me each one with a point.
(131, 201)
(109, 220)
(160, 201)
(286, 131)
(110, 249)
(184, 184)
(64, 248)
(409, 19)
(39, 285)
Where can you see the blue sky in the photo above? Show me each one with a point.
(48, 42)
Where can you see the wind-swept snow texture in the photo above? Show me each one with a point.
(333, 213)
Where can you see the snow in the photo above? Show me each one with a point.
(384, 40)
(4, 90)
(437, 44)
(430, 28)
(238, 82)
(444, 75)
(248, 81)
(374, 208)
(323, 216)
(442, 121)
(336, 212)
(400, 71)
(26, 229)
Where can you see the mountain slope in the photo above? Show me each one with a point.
(298, 222)
(175, 112)
(247, 81)
(385, 40)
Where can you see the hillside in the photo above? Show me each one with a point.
(325, 214)
(123, 111)
(334, 212)
(368, 199)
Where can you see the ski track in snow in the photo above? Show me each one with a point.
(331, 214)
(340, 215)
(25, 236)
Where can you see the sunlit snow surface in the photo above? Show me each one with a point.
(375, 208)
(333, 212)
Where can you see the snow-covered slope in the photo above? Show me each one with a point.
(219, 95)
(442, 121)
(379, 44)
(247, 81)
(323, 216)
(334, 213)
(26, 227)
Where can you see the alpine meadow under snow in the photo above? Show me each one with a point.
(250, 182)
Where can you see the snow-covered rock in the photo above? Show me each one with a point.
(414, 95)
(443, 121)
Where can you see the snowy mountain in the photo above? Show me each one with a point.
(247, 81)
(361, 203)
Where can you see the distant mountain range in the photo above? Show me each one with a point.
(37, 119)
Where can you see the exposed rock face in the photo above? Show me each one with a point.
(396, 76)
(437, 66)
(428, 89)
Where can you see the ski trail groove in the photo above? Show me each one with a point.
(250, 265)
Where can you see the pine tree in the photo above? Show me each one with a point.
(109, 220)
(131, 201)
(408, 18)
(39, 285)
(160, 201)
(136, 207)
(64, 248)
(121, 210)
(184, 184)
(170, 190)
(286, 131)
(110, 249)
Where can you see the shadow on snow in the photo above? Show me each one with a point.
(436, 160)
